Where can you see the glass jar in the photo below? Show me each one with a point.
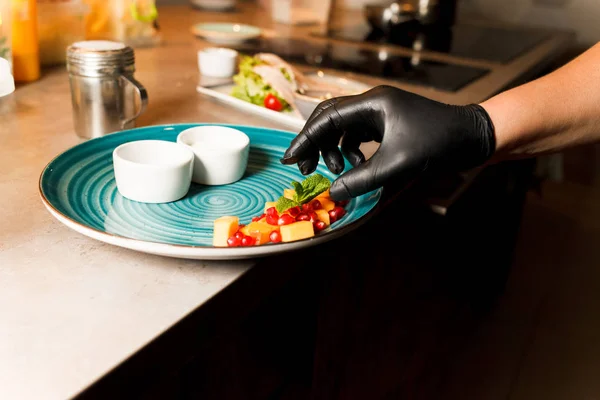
(133, 22)
(301, 12)
(60, 23)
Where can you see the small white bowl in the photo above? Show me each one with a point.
(153, 171)
(217, 61)
(221, 153)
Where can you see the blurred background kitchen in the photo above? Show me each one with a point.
(539, 336)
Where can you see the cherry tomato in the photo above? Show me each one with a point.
(275, 237)
(273, 103)
(248, 241)
(233, 242)
(285, 219)
(313, 216)
(316, 205)
(272, 219)
(319, 226)
(272, 211)
(302, 217)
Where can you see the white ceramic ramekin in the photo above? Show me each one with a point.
(221, 153)
(153, 171)
(217, 61)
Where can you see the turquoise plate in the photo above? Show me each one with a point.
(78, 188)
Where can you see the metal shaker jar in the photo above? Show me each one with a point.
(103, 89)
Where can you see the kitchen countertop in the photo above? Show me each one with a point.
(72, 308)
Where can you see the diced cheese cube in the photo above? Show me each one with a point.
(270, 204)
(296, 231)
(323, 215)
(289, 193)
(224, 228)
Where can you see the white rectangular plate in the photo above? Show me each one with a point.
(222, 93)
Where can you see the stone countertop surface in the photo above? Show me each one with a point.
(72, 308)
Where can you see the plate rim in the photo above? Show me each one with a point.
(190, 251)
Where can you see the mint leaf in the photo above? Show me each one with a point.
(284, 204)
(313, 186)
(298, 189)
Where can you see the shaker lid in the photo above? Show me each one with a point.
(98, 57)
(7, 82)
(98, 45)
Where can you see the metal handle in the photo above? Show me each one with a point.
(141, 90)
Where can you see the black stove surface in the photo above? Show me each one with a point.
(470, 41)
(434, 74)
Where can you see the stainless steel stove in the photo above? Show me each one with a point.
(472, 42)
(475, 42)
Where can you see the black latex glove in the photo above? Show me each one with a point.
(416, 134)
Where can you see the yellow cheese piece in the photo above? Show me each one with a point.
(270, 204)
(296, 231)
(289, 193)
(224, 228)
(323, 215)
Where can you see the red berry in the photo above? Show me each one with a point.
(272, 211)
(316, 205)
(332, 216)
(285, 219)
(313, 216)
(248, 241)
(254, 219)
(294, 211)
(319, 226)
(340, 211)
(272, 219)
(275, 237)
(306, 207)
(302, 217)
(239, 235)
(233, 242)
(342, 203)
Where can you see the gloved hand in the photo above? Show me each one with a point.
(417, 134)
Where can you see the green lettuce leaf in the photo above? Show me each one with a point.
(250, 87)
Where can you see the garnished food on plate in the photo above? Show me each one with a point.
(301, 212)
(266, 80)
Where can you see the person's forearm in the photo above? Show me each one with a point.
(557, 111)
